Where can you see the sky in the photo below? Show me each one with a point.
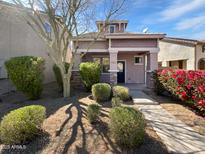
(176, 18)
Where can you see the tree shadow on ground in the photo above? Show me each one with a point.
(73, 135)
(51, 95)
(68, 124)
(33, 147)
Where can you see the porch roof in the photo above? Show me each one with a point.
(124, 35)
(129, 35)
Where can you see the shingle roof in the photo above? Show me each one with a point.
(183, 40)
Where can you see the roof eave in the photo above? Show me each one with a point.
(136, 36)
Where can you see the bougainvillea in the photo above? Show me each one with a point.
(189, 86)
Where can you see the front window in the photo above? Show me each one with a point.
(105, 65)
(112, 28)
(104, 62)
(138, 60)
(97, 60)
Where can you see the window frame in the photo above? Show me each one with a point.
(101, 62)
(112, 26)
(141, 63)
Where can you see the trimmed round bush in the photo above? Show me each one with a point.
(58, 75)
(26, 73)
(101, 92)
(90, 74)
(22, 124)
(127, 126)
(93, 112)
(122, 92)
(116, 102)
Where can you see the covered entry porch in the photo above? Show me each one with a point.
(124, 66)
(132, 66)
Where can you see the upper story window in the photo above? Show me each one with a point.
(112, 28)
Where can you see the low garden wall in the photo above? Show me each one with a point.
(188, 86)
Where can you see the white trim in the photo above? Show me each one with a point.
(112, 26)
(151, 50)
(145, 69)
(100, 56)
(116, 50)
(89, 39)
(136, 36)
(92, 50)
(125, 68)
(110, 42)
(113, 70)
(139, 56)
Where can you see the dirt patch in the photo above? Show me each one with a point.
(67, 130)
(181, 112)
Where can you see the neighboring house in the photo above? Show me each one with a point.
(125, 57)
(182, 53)
(18, 39)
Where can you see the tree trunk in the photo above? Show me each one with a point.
(66, 86)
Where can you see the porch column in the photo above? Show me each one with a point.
(77, 61)
(152, 64)
(153, 61)
(75, 78)
(113, 67)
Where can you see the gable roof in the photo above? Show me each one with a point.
(183, 41)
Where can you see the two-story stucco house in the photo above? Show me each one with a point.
(125, 57)
(182, 53)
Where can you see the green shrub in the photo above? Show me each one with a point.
(101, 92)
(22, 124)
(90, 74)
(26, 73)
(158, 86)
(93, 112)
(116, 102)
(58, 75)
(127, 126)
(122, 92)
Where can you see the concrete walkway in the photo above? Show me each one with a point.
(177, 136)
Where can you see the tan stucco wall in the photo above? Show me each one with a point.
(93, 45)
(18, 39)
(199, 54)
(134, 73)
(129, 43)
(172, 52)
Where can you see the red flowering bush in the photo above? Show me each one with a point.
(189, 86)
